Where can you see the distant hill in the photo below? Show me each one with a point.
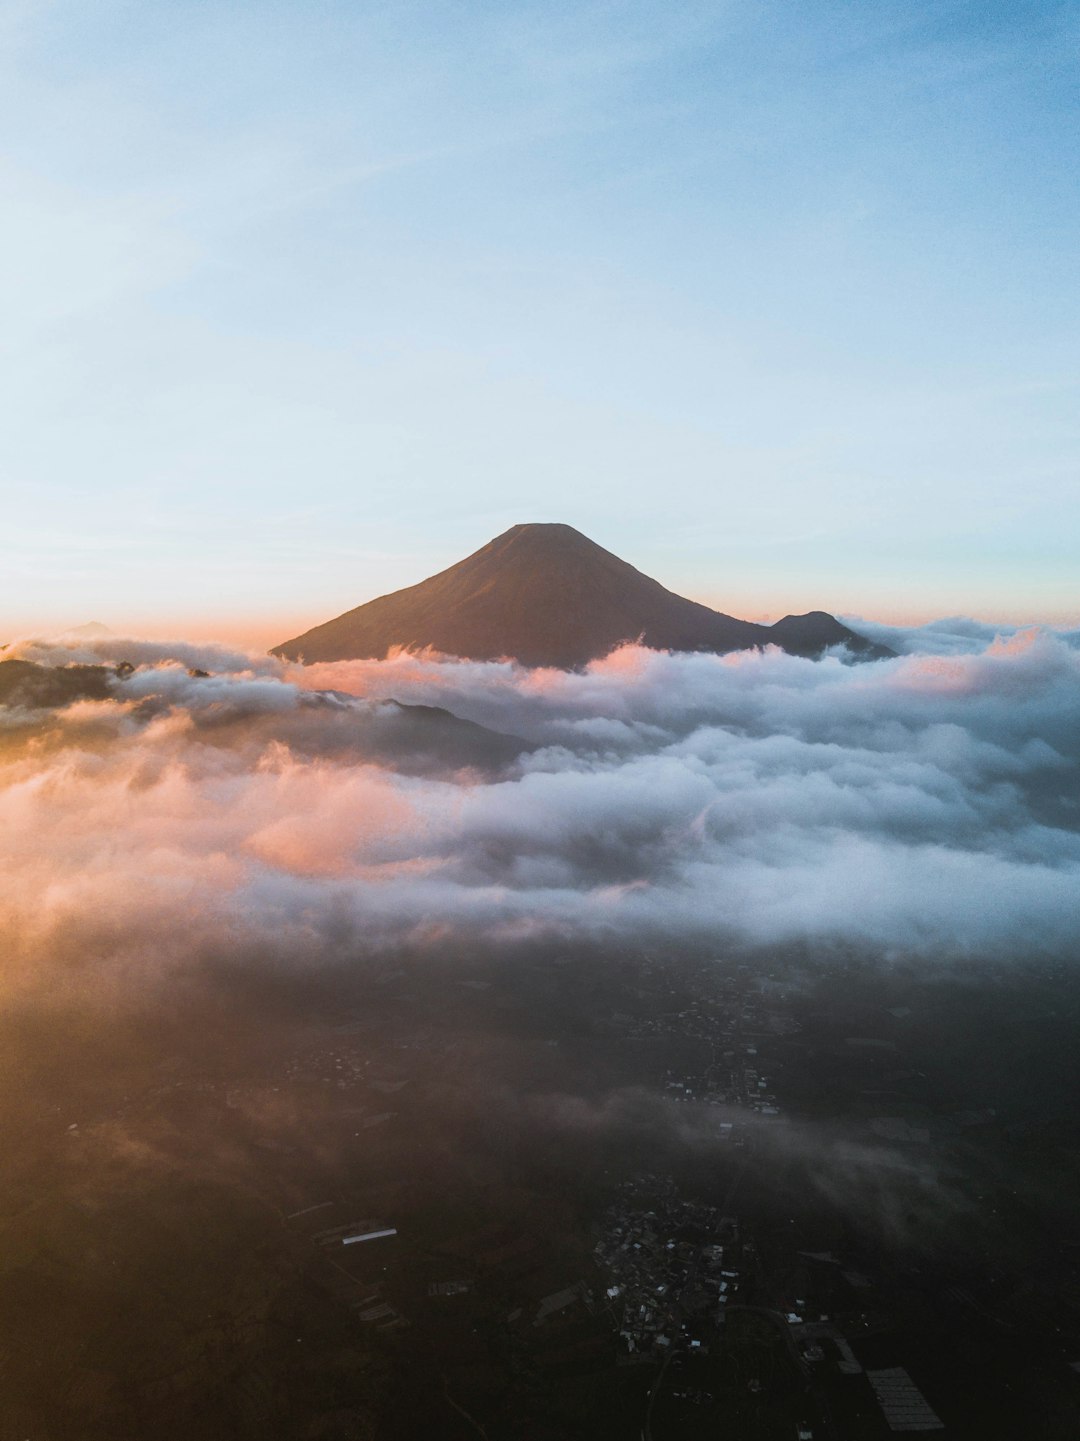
(92, 630)
(546, 595)
(29, 685)
(810, 634)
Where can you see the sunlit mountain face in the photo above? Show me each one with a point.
(396, 1046)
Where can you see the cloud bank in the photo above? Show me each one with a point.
(954, 635)
(925, 806)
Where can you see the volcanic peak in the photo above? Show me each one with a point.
(546, 595)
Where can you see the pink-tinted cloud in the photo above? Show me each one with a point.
(298, 817)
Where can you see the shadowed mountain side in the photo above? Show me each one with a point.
(415, 739)
(428, 737)
(544, 595)
(37, 687)
(810, 634)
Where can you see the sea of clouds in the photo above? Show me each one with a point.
(925, 806)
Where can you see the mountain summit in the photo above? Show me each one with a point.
(546, 595)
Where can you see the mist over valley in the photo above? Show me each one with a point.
(769, 957)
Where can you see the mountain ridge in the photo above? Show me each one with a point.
(546, 595)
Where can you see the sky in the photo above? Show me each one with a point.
(305, 301)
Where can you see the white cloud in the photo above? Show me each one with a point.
(920, 806)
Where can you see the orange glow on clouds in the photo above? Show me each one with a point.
(315, 824)
(738, 795)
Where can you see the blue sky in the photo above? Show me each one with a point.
(304, 301)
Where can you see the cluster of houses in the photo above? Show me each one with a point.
(671, 1264)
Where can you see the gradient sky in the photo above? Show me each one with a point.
(305, 300)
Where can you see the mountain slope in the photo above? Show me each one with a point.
(31, 686)
(545, 595)
(810, 634)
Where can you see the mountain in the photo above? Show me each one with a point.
(810, 634)
(26, 684)
(546, 595)
(92, 630)
(413, 734)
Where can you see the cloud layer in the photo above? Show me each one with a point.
(925, 806)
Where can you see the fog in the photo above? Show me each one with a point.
(437, 942)
(299, 817)
(953, 635)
